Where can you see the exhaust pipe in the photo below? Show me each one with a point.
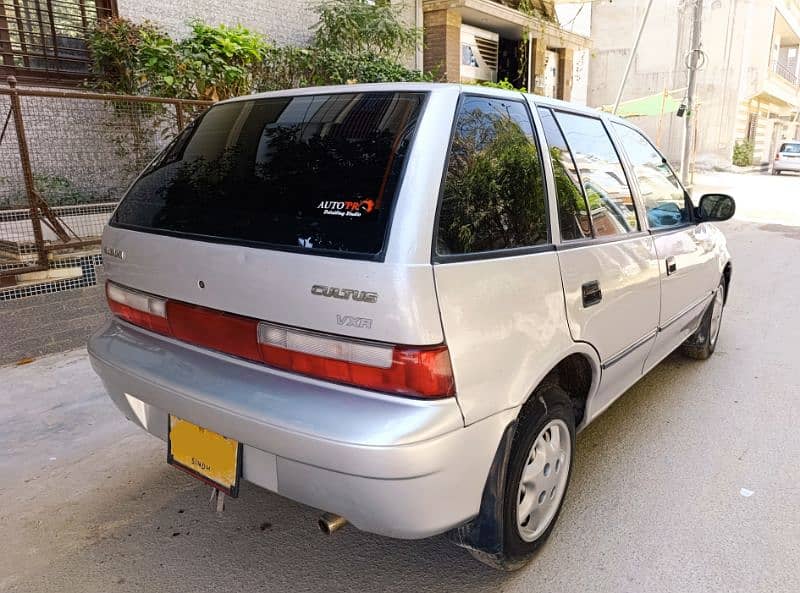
(328, 523)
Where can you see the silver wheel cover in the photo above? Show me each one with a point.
(543, 480)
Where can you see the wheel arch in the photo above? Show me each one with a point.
(579, 369)
(727, 272)
(578, 373)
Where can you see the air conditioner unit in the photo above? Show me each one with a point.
(479, 50)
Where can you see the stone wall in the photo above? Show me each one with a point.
(282, 21)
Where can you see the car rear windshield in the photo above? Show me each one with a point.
(792, 148)
(307, 173)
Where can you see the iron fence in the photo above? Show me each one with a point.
(785, 71)
(66, 157)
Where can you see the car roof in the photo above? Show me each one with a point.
(433, 87)
(410, 87)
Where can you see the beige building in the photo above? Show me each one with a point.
(748, 87)
(520, 40)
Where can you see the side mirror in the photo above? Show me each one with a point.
(715, 208)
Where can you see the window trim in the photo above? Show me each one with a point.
(686, 197)
(580, 181)
(26, 74)
(548, 245)
(587, 242)
(378, 257)
(641, 220)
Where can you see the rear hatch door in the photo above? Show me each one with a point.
(279, 208)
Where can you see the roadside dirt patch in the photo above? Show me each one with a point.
(790, 232)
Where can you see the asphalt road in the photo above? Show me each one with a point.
(690, 482)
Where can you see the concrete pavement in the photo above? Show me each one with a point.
(658, 500)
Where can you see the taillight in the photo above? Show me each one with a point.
(232, 334)
(421, 372)
(138, 308)
(412, 371)
(777, 156)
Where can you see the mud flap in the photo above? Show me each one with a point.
(485, 532)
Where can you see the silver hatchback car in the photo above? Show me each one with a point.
(787, 158)
(398, 303)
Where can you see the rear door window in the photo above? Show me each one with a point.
(494, 195)
(604, 183)
(307, 173)
(573, 212)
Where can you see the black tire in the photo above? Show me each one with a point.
(776, 172)
(701, 344)
(548, 403)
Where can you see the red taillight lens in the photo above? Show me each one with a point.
(419, 372)
(412, 371)
(138, 308)
(232, 334)
(777, 156)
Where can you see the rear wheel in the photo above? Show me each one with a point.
(701, 344)
(538, 473)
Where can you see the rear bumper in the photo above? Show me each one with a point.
(786, 165)
(393, 466)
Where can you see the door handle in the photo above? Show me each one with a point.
(671, 265)
(591, 293)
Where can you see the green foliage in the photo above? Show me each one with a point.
(354, 41)
(534, 8)
(743, 153)
(60, 191)
(286, 67)
(221, 60)
(292, 67)
(501, 84)
(126, 56)
(354, 28)
(211, 63)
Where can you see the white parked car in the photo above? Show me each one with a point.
(787, 158)
(398, 303)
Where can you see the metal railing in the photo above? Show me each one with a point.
(786, 72)
(66, 157)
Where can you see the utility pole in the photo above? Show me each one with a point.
(632, 55)
(695, 58)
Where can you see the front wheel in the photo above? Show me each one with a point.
(538, 473)
(702, 343)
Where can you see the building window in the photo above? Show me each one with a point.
(752, 127)
(46, 39)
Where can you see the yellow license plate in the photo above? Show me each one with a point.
(203, 453)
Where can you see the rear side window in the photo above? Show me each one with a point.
(663, 197)
(604, 182)
(573, 213)
(790, 148)
(493, 196)
(308, 173)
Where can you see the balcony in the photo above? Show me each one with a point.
(786, 71)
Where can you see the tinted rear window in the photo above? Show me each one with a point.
(315, 172)
(790, 148)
